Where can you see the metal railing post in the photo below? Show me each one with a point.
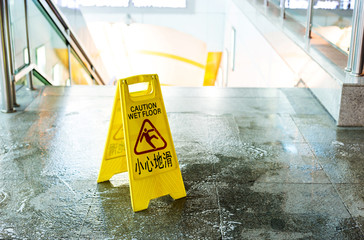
(309, 21)
(6, 79)
(30, 75)
(7, 101)
(354, 23)
(356, 46)
(10, 51)
(283, 8)
(69, 57)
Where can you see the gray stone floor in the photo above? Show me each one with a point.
(256, 163)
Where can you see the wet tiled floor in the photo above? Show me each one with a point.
(256, 164)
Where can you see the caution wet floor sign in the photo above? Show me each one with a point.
(140, 142)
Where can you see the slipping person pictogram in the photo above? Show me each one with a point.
(149, 139)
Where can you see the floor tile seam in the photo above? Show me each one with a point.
(348, 210)
(198, 184)
(215, 186)
(282, 183)
(223, 112)
(338, 183)
(298, 128)
(304, 138)
(319, 162)
(26, 110)
(61, 109)
(209, 127)
(298, 214)
(51, 177)
(39, 89)
(83, 222)
(347, 183)
(323, 114)
(224, 97)
(220, 211)
(299, 98)
(296, 183)
(278, 142)
(332, 142)
(332, 183)
(311, 149)
(167, 97)
(40, 95)
(237, 128)
(88, 211)
(233, 114)
(322, 166)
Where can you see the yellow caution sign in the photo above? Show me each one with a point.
(140, 142)
(114, 159)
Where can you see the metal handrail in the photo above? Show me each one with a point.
(22, 73)
(28, 69)
(71, 38)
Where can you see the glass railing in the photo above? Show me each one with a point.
(79, 72)
(38, 44)
(77, 22)
(297, 10)
(328, 31)
(18, 33)
(332, 21)
(48, 47)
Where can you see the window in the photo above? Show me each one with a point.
(25, 55)
(40, 55)
(57, 75)
(232, 47)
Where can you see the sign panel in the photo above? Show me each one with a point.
(149, 150)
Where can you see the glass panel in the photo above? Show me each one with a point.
(21, 82)
(332, 22)
(18, 33)
(41, 58)
(80, 76)
(297, 10)
(82, 31)
(48, 47)
(275, 2)
(38, 80)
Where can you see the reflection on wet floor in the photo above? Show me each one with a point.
(256, 163)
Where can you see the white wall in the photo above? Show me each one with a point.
(203, 19)
(257, 64)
